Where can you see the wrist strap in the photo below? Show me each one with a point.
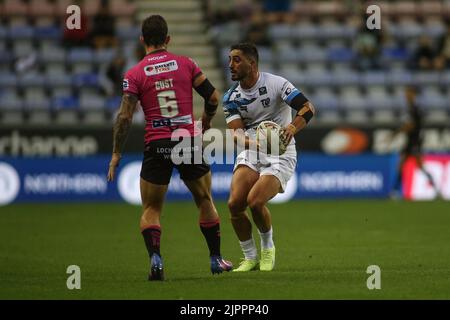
(291, 128)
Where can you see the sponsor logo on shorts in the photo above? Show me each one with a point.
(172, 121)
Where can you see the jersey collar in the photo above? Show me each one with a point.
(156, 51)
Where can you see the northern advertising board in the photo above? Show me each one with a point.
(84, 179)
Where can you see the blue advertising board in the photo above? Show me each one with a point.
(84, 179)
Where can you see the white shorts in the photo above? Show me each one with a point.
(281, 167)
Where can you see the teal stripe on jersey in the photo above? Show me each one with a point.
(292, 95)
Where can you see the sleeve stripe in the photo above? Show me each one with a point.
(227, 95)
(292, 95)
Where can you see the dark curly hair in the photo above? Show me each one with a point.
(154, 30)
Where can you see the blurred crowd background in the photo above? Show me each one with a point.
(52, 75)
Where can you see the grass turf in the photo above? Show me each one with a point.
(323, 251)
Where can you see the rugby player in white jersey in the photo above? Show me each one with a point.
(256, 97)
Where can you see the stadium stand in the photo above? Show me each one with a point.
(48, 75)
(352, 74)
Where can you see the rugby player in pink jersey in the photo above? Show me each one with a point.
(163, 83)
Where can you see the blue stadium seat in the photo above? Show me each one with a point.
(406, 30)
(10, 100)
(399, 78)
(426, 78)
(378, 98)
(445, 78)
(113, 103)
(395, 53)
(432, 99)
(311, 53)
(3, 32)
(91, 101)
(6, 57)
(52, 54)
(325, 100)
(55, 68)
(32, 79)
(8, 80)
(434, 30)
(297, 78)
(69, 102)
(226, 34)
(319, 78)
(280, 32)
(85, 79)
(288, 54)
(448, 101)
(48, 32)
(36, 99)
(304, 31)
(265, 55)
(332, 31)
(345, 78)
(104, 56)
(80, 55)
(373, 78)
(20, 32)
(58, 80)
(340, 54)
(128, 33)
(353, 99)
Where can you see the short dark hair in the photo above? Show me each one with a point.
(248, 49)
(154, 30)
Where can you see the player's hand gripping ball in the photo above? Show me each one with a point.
(269, 138)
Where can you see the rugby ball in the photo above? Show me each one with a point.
(268, 137)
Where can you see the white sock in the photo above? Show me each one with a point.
(266, 239)
(249, 249)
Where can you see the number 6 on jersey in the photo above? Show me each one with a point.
(168, 103)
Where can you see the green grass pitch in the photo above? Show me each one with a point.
(323, 251)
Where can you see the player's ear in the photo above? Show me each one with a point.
(141, 40)
(167, 40)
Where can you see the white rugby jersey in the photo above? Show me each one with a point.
(268, 99)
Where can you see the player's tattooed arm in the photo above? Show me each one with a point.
(123, 121)
(121, 128)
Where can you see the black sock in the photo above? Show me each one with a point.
(211, 231)
(152, 236)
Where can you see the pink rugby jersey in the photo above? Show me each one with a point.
(163, 83)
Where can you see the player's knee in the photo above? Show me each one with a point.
(202, 199)
(150, 212)
(236, 206)
(255, 203)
